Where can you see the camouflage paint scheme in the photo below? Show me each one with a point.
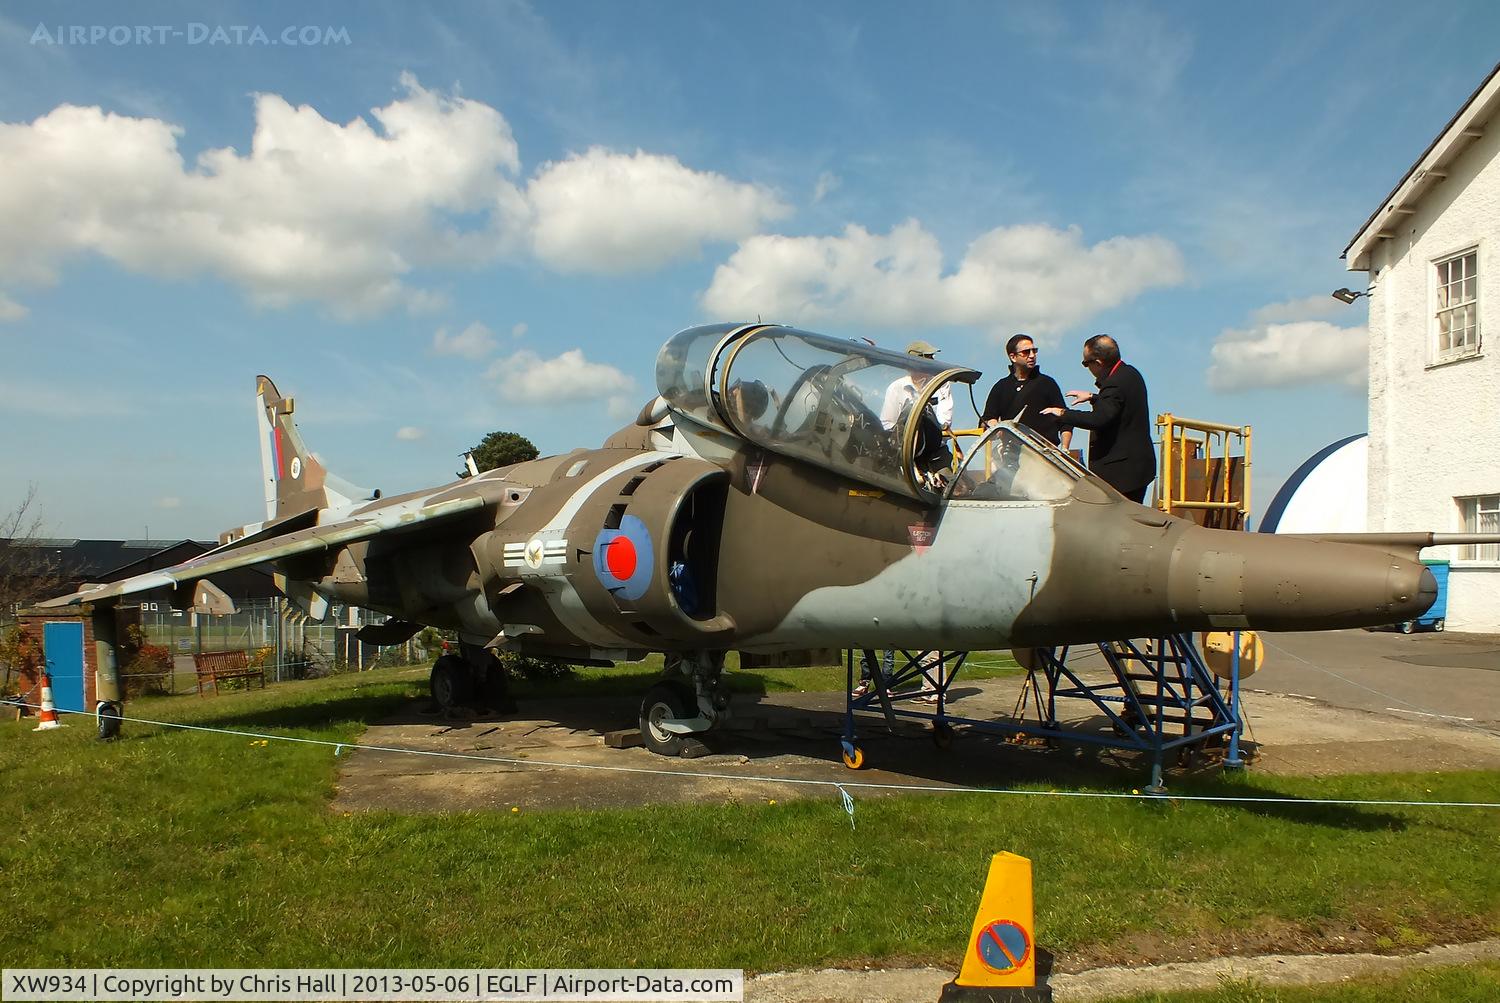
(782, 553)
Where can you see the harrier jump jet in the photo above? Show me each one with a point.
(773, 497)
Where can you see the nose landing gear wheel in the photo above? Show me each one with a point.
(665, 701)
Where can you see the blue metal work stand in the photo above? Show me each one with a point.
(1162, 698)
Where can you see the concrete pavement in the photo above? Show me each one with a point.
(1448, 676)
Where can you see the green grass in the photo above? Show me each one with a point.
(178, 848)
(1477, 983)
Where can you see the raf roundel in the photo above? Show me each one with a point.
(623, 558)
(620, 558)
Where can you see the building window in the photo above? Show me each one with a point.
(1480, 515)
(1458, 306)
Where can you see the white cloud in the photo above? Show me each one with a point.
(528, 378)
(828, 182)
(473, 342)
(519, 331)
(314, 211)
(612, 212)
(409, 433)
(1272, 355)
(1306, 308)
(170, 501)
(1030, 277)
(10, 309)
(343, 214)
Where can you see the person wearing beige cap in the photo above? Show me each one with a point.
(904, 390)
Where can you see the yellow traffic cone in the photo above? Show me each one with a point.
(1000, 964)
(48, 719)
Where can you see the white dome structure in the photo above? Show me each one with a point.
(1324, 495)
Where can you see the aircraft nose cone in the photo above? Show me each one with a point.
(1286, 583)
(1413, 592)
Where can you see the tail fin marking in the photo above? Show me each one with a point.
(293, 479)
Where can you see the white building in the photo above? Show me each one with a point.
(1432, 251)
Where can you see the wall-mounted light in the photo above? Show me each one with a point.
(1347, 295)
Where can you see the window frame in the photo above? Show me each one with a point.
(1438, 308)
(1470, 510)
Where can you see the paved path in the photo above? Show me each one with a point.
(1319, 707)
(1454, 676)
(922, 985)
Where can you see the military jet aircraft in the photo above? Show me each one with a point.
(784, 490)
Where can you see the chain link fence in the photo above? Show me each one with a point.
(273, 633)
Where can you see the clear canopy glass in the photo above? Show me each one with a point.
(1010, 462)
(684, 369)
(844, 405)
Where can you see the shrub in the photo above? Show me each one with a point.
(148, 672)
(522, 667)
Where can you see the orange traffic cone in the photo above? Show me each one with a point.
(49, 709)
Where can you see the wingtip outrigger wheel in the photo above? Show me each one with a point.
(109, 714)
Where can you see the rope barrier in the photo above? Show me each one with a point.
(341, 747)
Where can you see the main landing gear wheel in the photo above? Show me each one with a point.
(666, 700)
(451, 683)
(495, 692)
(942, 734)
(1407, 626)
(854, 756)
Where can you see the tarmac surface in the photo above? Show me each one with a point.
(924, 984)
(1443, 674)
(1333, 703)
(1342, 702)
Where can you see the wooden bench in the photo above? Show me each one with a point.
(215, 667)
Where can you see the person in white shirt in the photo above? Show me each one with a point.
(905, 390)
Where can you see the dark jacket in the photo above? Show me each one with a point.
(1010, 397)
(1120, 450)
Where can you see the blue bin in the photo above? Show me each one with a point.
(1437, 613)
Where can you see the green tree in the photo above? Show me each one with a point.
(501, 449)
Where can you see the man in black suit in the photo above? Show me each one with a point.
(1120, 450)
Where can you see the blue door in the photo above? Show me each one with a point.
(63, 645)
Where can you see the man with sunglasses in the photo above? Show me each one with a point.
(1120, 450)
(1028, 392)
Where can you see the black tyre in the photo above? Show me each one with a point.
(451, 683)
(669, 699)
(109, 714)
(496, 691)
(1407, 626)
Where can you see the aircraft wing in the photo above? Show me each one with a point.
(395, 518)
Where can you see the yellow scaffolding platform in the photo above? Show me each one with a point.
(1205, 471)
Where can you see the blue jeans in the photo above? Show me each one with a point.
(887, 666)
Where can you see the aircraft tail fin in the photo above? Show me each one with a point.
(295, 481)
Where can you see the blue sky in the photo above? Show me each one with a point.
(468, 217)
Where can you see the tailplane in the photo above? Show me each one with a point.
(294, 480)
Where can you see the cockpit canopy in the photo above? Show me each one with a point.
(850, 407)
